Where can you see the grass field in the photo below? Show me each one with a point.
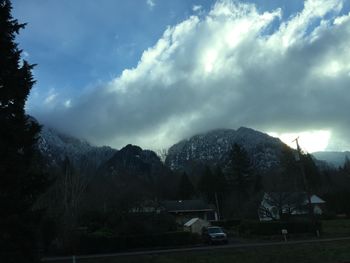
(329, 252)
(336, 227)
(338, 251)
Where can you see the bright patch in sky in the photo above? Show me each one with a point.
(151, 3)
(209, 60)
(178, 68)
(309, 141)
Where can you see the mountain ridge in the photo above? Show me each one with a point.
(55, 146)
(335, 158)
(213, 148)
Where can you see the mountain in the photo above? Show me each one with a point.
(133, 175)
(55, 147)
(336, 159)
(110, 178)
(213, 148)
(132, 161)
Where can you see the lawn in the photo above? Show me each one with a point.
(336, 227)
(327, 252)
(338, 251)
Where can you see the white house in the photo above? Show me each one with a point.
(276, 204)
(184, 210)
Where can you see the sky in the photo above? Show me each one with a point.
(153, 72)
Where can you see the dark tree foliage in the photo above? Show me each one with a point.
(290, 171)
(185, 188)
(241, 169)
(239, 177)
(346, 167)
(258, 185)
(205, 184)
(20, 183)
(220, 183)
(338, 189)
(212, 184)
(312, 173)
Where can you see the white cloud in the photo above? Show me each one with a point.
(25, 54)
(234, 67)
(151, 3)
(68, 103)
(51, 97)
(197, 8)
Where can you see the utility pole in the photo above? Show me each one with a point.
(306, 185)
(217, 205)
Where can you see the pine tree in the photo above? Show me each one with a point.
(185, 189)
(346, 166)
(205, 184)
(290, 173)
(212, 184)
(312, 173)
(240, 175)
(19, 183)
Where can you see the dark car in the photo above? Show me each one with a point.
(214, 235)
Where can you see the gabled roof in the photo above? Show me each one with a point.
(195, 205)
(293, 196)
(316, 200)
(191, 222)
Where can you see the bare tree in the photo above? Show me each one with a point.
(72, 186)
(67, 197)
(277, 204)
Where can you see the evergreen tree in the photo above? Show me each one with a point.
(205, 184)
(258, 185)
(346, 166)
(312, 173)
(220, 183)
(20, 184)
(212, 185)
(290, 173)
(220, 190)
(185, 189)
(239, 177)
(241, 170)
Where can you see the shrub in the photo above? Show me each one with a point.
(227, 224)
(92, 243)
(275, 227)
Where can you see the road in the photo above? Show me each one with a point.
(197, 248)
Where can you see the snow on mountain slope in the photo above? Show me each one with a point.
(55, 147)
(214, 146)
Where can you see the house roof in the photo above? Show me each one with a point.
(293, 196)
(316, 200)
(191, 222)
(195, 205)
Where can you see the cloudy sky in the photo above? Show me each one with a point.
(152, 72)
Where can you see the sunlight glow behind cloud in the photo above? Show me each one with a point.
(234, 66)
(309, 141)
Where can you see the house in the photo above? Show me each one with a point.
(147, 206)
(195, 225)
(275, 205)
(184, 210)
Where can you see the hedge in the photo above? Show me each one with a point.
(92, 243)
(227, 224)
(275, 227)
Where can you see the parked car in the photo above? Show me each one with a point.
(214, 235)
